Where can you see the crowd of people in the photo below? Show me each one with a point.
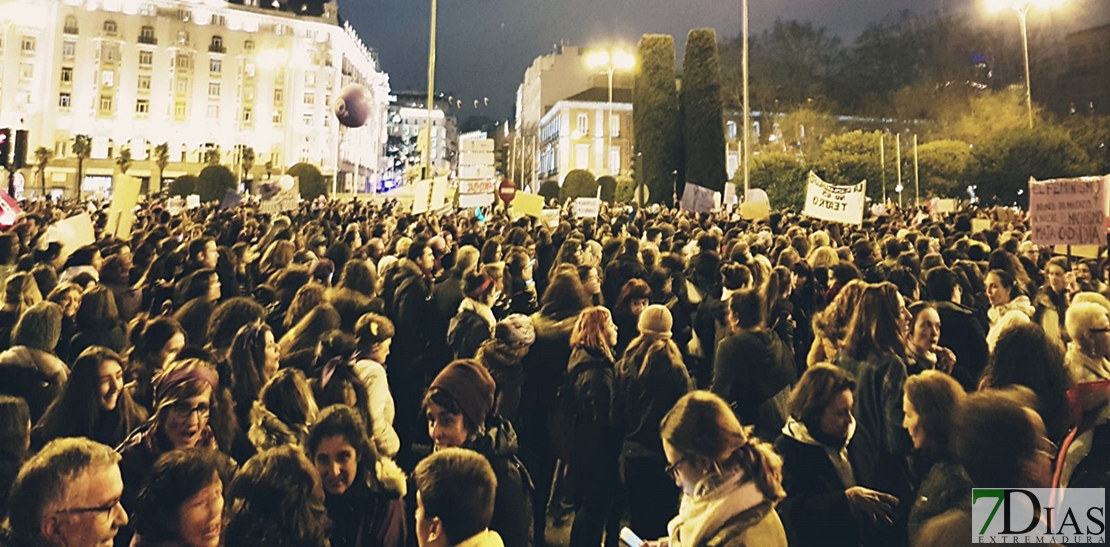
(348, 375)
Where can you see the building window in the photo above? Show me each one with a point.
(108, 78)
(310, 78)
(216, 45)
(70, 25)
(307, 119)
(27, 44)
(179, 111)
(215, 66)
(582, 156)
(69, 49)
(26, 71)
(614, 160)
(248, 93)
(142, 106)
(105, 103)
(144, 82)
(182, 61)
(583, 126)
(110, 27)
(248, 115)
(731, 125)
(214, 89)
(248, 45)
(309, 99)
(183, 38)
(109, 53)
(615, 126)
(146, 35)
(276, 118)
(63, 100)
(279, 96)
(213, 111)
(182, 86)
(146, 58)
(67, 74)
(219, 21)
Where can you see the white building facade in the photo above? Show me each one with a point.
(195, 75)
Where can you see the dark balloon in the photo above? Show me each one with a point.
(352, 107)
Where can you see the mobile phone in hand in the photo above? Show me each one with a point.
(629, 538)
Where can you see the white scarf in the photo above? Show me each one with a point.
(479, 308)
(716, 499)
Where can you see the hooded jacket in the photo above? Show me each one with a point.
(726, 511)
(370, 513)
(472, 325)
(268, 431)
(505, 366)
(512, 506)
(815, 477)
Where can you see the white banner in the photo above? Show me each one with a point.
(586, 207)
(835, 203)
(470, 201)
(482, 186)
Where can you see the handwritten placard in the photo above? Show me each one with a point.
(1068, 211)
(834, 202)
(585, 207)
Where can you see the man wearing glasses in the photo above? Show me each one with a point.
(67, 495)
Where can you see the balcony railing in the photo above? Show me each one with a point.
(148, 40)
(216, 49)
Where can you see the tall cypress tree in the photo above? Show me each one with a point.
(703, 133)
(656, 117)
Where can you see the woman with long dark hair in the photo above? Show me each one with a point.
(155, 344)
(283, 412)
(254, 360)
(634, 297)
(68, 296)
(93, 404)
(277, 501)
(875, 354)
(98, 323)
(20, 293)
(522, 287)
(363, 491)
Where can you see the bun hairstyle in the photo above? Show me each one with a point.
(477, 285)
(702, 426)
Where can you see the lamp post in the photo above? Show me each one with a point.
(1021, 7)
(427, 160)
(747, 153)
(610, 63)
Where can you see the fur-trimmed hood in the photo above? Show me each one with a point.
(391, 480)
(267, 431)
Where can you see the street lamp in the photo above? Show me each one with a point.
(610, 62)
(427, 159)
(1021, 7)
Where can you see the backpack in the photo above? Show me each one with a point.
(563, 416)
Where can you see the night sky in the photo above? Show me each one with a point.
(484, 46)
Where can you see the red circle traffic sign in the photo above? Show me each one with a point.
(506, 191)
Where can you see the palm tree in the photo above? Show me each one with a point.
(82, 148)
(212, 156)
(247, 162)
(43, 155)
(123, 161)
(161, 159)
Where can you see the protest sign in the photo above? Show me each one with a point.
(439, 193)
(946, 205)
(586, 207)
(697, 199)
(125, 196)
(980, 225)
(421, 196)
(192, 201)
(9, 209)
(528, 204)
(73, 233)
(834, 202)
(1077, 251)
(550, 218)
(756, 206)
(1068, 211)
(470, 201)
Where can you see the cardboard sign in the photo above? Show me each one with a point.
(125, 196)
(9, 209)
(439, 193)
(756, 206)
(980, 225)
(286, 199)
(421, 196)
(697, 199)
(833, 202)
(584, 207)
(947, 205)
(1069, 211)
(1080, 251)
(528, 204)
(73, 233)
(551, 218)
(192, 201)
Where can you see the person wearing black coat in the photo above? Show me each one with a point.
(624, 267)
(473, 324)
(753, 369)
(961, 331)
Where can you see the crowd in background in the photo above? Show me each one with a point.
(225, 377)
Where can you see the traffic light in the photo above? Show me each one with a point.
(19, 161)
(5, 146)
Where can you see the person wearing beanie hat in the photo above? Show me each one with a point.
(473, 324)
(656, 322)
(459, 408)
(502, 355)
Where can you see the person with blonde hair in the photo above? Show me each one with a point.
(830, 326)
(1088, 326)
(730, 479)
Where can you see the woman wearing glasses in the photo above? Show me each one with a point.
(1088, 327)
(730, 480)
(184, 394)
